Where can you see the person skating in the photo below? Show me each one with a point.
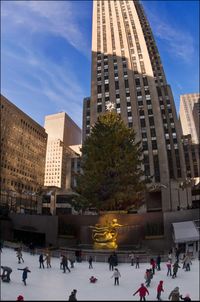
(19, 255)
(72, 296)
(137, 262)
(111, 262)
(6, 273)
(116, 276)
(25, 273)
(90, 262)
(147, 277)
(93, 279)
(41, 260)
(132, 257)
(169, 268)
(186, 298)
(187, 262)
(160, 290)
(48, 260)
(175, 269)
(158, 261)
(20, 298)
(177, 254)
(65, 264)
(71, 262)
(142, 292)
(153, 265)
(175, 295)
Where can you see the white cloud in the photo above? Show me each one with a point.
(58, 85)
(178, 42)
(56, 17)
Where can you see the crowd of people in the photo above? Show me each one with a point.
(154, 265)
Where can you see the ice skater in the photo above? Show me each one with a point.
(175, 295)
(20, 298)
(72, 296)
(6, 273)
(132, 257)
(19, 255)
(160, 290)
(65, 264)
(90, 262)
(116, 276)
(25, 273)
(93, 279)
(158, 261)
(48, 260)
(41, 260)
(175, 269)
(137, 263)
(142, 292)
(169, 268)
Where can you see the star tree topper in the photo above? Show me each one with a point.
(110, 106)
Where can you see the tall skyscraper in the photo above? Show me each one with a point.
(62, 132)
(190, 115)
(127, 71)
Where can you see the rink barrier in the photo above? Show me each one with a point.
(98, 256)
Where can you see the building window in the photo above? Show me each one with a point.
(99, 108)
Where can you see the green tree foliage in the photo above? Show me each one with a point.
(111, 165)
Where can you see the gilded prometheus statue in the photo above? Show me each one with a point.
(105, 236)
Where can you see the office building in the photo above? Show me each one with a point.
(127, 71)
(23, 150)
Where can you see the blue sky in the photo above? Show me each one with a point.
(46, 52)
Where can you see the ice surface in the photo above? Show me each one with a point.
(53, 284)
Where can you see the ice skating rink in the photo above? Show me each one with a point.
(53, 284)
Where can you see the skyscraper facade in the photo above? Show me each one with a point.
(190, 115)
(23, 150)
(127, 71)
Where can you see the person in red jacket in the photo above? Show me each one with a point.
(159, 290)
(142, 292)
(153, 265)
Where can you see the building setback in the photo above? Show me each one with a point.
(23, 150)
(190, 115)
(127, 71)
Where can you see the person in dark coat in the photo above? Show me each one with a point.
(111, 262)
(65, 264)
(142, 292)
(137, 262)
(175, 269)
(6, 273)
(41, 260)
(115, 259)
(158, 261)
(186, 298)
(25, 273)
(90, 262)
(177, 254)
(72, 296)
(160, 290)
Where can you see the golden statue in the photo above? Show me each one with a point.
(105, 236)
